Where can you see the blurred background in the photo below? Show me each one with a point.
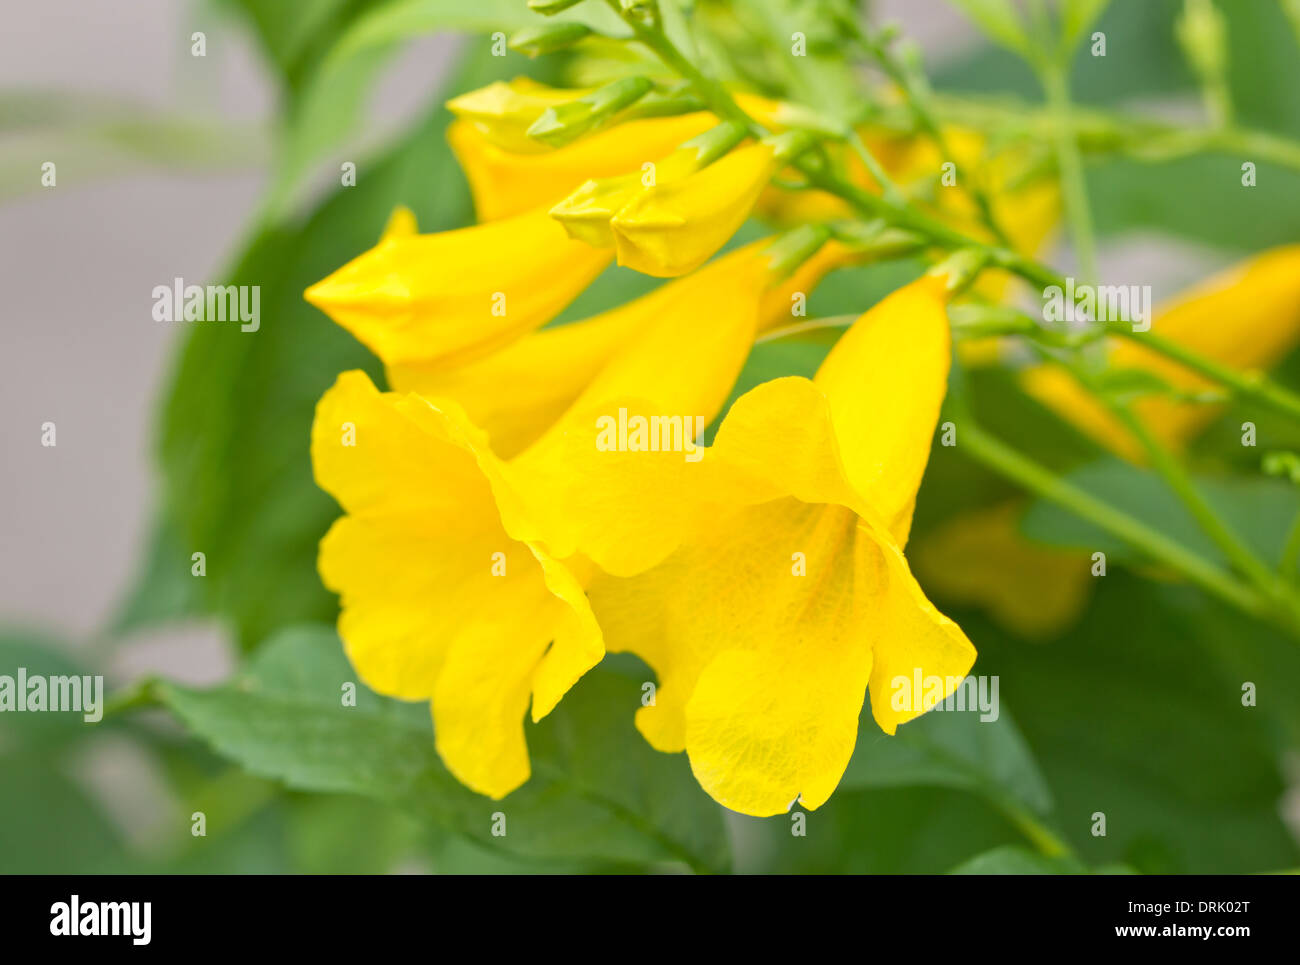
(174, 165)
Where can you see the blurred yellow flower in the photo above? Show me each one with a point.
(979, 557)
(1247, 317)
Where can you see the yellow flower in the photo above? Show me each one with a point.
(440, 600)
(673, 227)
(765, 583)
(515, 394)
(453, 296)
(506, 182)
(510, 172)
(979, 557)
(446, 563)
(503, 111)
(1247, 317)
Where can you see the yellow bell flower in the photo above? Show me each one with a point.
(765, 583)
(440, 600)
(1247, 317)
(505, 182)
(453, 296)
(446, 565)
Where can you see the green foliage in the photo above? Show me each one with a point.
(1251, 506)
(951, 748)
(1137, 713)
(598, 790)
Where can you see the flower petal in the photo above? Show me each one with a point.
(516, 394)
(885, 381)
(438, 599)
(456, 295)
(673, 228)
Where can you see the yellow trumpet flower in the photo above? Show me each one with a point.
(447, 567)
(1247, 317)
(453, 296)
(765, 583)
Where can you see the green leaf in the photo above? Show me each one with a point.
(1076, 17)
(1015, 860)
(1257, 508)
(951, 749)
(598, 790)
(898, 830)
(999, 21)
(1137, 713)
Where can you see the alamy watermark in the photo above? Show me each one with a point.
(180, 302)
(37, 692)
(920, 693)
(656, 433)
(76, 917)
(1098, 303)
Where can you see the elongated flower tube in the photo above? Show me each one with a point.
(451, 590)
(453, 296)
(765, 583)
(1247, 317)
(517, 393)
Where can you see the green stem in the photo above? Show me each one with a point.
(1232, 546)
(1247, 385)
(1043, 838)
(1073, 184)
(918, 102)
(1228, 541)
(1252, 386)
(888, 188)
(1028, 474)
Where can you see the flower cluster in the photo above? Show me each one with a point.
(495, 546)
